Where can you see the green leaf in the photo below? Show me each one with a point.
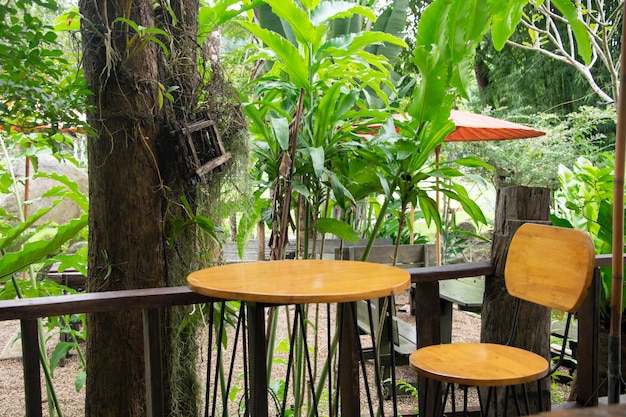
(16, 232)
(81, 379)
(34, 251)
(392, 21)
(473, 162)
(60, 351)
(317, 159)
(210, 18)
(583, 38)
(68, 21)
(340, 229)
(430, 210)
(364, 39)
(342, 195)
(209, 227)
(294, 63)
(506, 16)
(560, 222)
(72, 191)
(329, 10)
(298, 19)
(280, 127)
(129, 22)
(248, 222)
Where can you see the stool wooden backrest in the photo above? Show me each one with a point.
(551, 266)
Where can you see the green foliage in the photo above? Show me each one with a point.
(585, 202)
(340, 79)
(564, 54)
(37, 84)
(344, 84)
(42, 95)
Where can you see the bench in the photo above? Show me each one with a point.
(465, 293)
(331, 245)
(70, 277)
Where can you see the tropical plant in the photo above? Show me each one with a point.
(305, 106)
(41, 93)
(585, 202)
(27, 244)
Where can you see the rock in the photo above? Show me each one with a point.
(66, 209)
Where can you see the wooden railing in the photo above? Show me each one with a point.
(151, 300)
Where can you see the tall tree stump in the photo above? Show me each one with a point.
(515, 206)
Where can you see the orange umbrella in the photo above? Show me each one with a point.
(473, 127)
(477, 127)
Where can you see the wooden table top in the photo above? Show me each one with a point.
(300, 281)
(478, 364)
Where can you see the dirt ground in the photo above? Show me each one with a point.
(466, 327)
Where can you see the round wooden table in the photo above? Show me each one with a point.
(261, 284)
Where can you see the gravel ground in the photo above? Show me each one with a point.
(466, 328)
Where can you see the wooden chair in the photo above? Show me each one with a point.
(547, 265)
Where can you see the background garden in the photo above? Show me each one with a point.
(201, 124)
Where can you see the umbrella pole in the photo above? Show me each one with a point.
(614, 360)
(437, 232)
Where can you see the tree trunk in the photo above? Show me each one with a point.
(515, 206)
(135, 183)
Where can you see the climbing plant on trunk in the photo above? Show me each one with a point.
(141, 63)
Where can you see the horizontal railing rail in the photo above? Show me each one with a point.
(150, 300)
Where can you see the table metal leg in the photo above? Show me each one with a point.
(256, 355)
(348, 363)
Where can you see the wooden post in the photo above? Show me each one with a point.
(586, 378)
(260, 237)
(32, 374)
(152, 342)
(515, 206)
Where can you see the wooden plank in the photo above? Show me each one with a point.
(384, 254)
(212, 164)
(194, 127)
(98, 302)
(30, 359)
(467, 293)
(438, 273)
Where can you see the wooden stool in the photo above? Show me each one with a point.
(547, 265)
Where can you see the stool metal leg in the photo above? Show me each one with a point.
(207, 393)
(292, 343)
(348, 360)
(238, 332)
(378, 382)
(331, 411)
(526, 399)
(308, 359)
(394, 396)
(466, 412)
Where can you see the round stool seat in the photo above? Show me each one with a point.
(478, 364)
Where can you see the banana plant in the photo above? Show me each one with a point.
(584, 201)
(338, 79)
(26, 242)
